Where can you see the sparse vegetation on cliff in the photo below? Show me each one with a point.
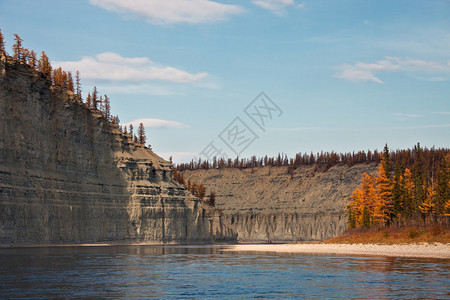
(64, 80)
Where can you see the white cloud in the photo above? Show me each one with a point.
(156, 123)
(112, 66)
(277, 6)
(366, 71)
(171, 11)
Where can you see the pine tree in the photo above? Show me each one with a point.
(107, 109)
(17, 48)
(78, 83)
(442, 187)
(100, 106)
(141, 134)
(2, 42)
(420, 185)
(397, 207)
(131, 130)
(94, 98)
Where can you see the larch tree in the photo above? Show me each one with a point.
(89, 100)
(69, 85)
(407, 198)
(141, 134)
(428, 205)
(32, 61)
(44, 65)
(17, 48)
(383, 201)
(2, 42)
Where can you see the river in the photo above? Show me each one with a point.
(208, 272)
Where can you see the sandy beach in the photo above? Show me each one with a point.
(433, 250)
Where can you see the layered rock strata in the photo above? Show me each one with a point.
(67, 174)
(269, 204)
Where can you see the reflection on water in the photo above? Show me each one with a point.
(208, 272)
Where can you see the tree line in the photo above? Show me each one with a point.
(65, 80)
(322, 160)
(411, 189)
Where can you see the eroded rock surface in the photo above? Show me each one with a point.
(69, 175)
(270, 205)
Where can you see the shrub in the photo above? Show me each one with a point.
(413, 233)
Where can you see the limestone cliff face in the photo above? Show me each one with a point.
(269, 205)
(69, 175)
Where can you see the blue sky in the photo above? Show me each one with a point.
(345, 75)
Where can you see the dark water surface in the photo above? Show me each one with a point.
(210, 273)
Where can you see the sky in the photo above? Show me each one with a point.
(255, 77)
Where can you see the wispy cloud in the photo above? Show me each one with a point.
(366, 71)
(403, 115)
(277, 6)
(360, 129)
(171, 12)
(179, 157)
(445, 113)
(157, 123)
(112, 66)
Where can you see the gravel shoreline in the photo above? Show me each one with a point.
(432, 250)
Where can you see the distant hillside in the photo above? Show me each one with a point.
(273, 204)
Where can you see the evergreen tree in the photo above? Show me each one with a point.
(141, 134)
(420, 185)
(397, 189)
(107, 109)
(78, 83)
(131, 130)
(442, 187)
(94, 98)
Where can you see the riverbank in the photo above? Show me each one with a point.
(431, 250)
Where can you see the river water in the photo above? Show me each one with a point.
(205, 272)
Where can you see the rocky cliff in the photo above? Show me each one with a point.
(270, 205)
(69, 175)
